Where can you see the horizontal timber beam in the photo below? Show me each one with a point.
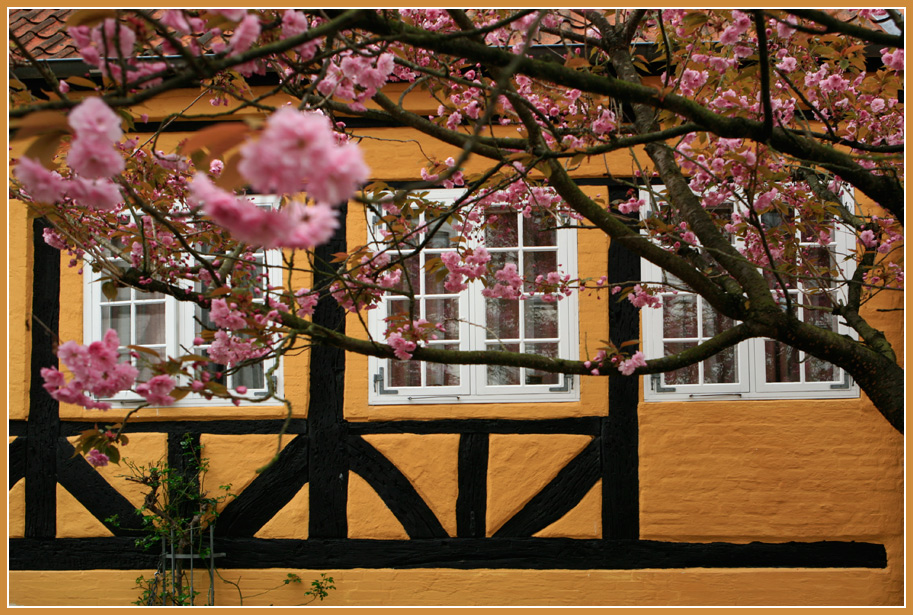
(463, 553)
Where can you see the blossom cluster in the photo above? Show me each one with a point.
(355, 77)
(93, 157)
(406, 337)
(624, 365)
(96, 371)
(297, 151)
(109, 46)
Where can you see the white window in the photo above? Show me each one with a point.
(536, 245)
(758, 368)
(168, 327)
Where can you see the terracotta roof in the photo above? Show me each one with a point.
(42, 32)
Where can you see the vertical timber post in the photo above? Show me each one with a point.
(621, 483)
(327, 454)
(44, 417)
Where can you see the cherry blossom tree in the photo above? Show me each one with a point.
(790, 117)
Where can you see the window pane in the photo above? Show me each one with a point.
(817, 311)
(402, 307)
(820, 261)
(782, 362)
(714, 322)
(500, 259)
(117, 317)
(538, 263)
(150, 323)
(124, 293)
(251, 376)
(679, 316)
(447, 313)
(440, 239)
(534, 376)
(440, 375)
(409, 280)
(540, 318)
(502, 233)
(722, 368)
(685, 375)
(434, 282)
(500, 374)
(502, 317)
(405, 374)
(539, 231)
(203, 322)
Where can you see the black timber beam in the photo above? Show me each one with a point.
(461, 553)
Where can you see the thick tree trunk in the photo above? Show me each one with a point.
(883, 381)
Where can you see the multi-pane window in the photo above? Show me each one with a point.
(140, 319)
(160, 323)
(536, 245)
(757, 368)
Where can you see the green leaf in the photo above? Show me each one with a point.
(143, 349)
(109, 290)
(44, 149)
(40, 122)
(82, 81)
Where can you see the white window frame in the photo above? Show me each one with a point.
(180, 328)
(751, 381)
(473, 387)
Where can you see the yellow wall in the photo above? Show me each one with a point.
(771, 471)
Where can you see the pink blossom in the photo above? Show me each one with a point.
(95, 371)
(310, 226)
(628, 366)
(787, 64)
(97, 194)
(739, 26)
(306, 301)
(174, 18)
(343, 173)
(605, 123)
(834, 83)
(893, 59)
(641, 298)
(114, 31)
(692, 81)
(402, 348)
(42, 185)
(172, 162)
(93, 118)
(293, 23)
(297, 151)
(229, 350)
(245, 34)
(784, 30)
(631, 205)
(226, 316)
(241, 389)
(53, 239)
(453, 120)
(94, 158)
(97, 459)
(867, 237)
(156, 390)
